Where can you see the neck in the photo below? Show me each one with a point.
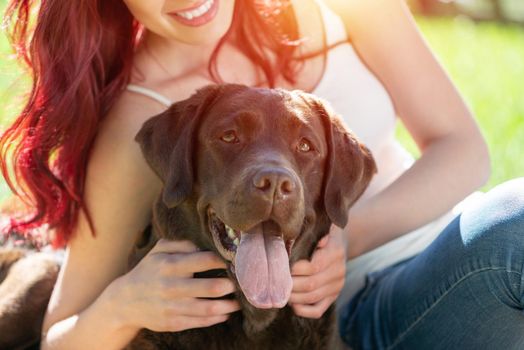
(159, 56)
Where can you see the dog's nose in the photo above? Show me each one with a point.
(276, 182)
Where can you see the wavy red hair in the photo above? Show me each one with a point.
(79, 54)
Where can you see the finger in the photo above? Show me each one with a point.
(323, 242)
(305, 284)
(333, 288)
(303, 268)
(172, 246)
(181, 323)
(200, 322)
(188, 264)
(320, 259)
(318, 263)
(202, 307)
(201, 287)
(315, 310)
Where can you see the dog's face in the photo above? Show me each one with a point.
(261, 172)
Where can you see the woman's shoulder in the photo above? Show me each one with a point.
(371, 16)
(356, 8)
(129, 112)
(115, 154)
(120, 187)
(119, 192)
(116, 161)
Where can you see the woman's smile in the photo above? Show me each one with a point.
(197, 15)
(193, 22)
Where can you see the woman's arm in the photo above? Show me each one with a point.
(454, 157)
(119, 185)
(95, 303)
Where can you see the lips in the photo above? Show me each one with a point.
(197, 15)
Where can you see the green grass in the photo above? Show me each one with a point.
(485, 60)
(13, 85)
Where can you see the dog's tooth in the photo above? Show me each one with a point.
(236, 241)
(230, 232)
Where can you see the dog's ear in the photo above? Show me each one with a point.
(349, 165)
(350, 168)
(167, 142)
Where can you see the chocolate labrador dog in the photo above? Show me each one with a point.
(258, 176)
(26, 282)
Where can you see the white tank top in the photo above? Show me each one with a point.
(361, 100)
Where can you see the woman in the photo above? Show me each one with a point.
(99, 192)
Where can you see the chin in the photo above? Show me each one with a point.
(207, 38)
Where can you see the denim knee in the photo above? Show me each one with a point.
(494, 227)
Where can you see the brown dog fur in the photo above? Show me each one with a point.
(330, 184)
(199, 171)
(26, 282)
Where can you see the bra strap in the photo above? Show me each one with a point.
(150, 93)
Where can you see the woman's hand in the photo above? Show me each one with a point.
(161, 294)
(317, 283)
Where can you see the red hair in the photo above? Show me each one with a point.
(79, 54)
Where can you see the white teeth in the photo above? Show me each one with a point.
(199, 11)
(231, 233)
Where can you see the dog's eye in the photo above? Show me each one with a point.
(304, 145)
(229, 136)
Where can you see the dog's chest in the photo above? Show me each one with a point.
(285, 333)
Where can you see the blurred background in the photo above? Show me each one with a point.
(479, 42)
(481, 45)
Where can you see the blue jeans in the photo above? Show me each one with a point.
(465, 291)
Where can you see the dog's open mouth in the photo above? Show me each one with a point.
(260, 258)
(226, 239)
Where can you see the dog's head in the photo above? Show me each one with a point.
(256, 175)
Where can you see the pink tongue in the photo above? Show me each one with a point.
(262, 269)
